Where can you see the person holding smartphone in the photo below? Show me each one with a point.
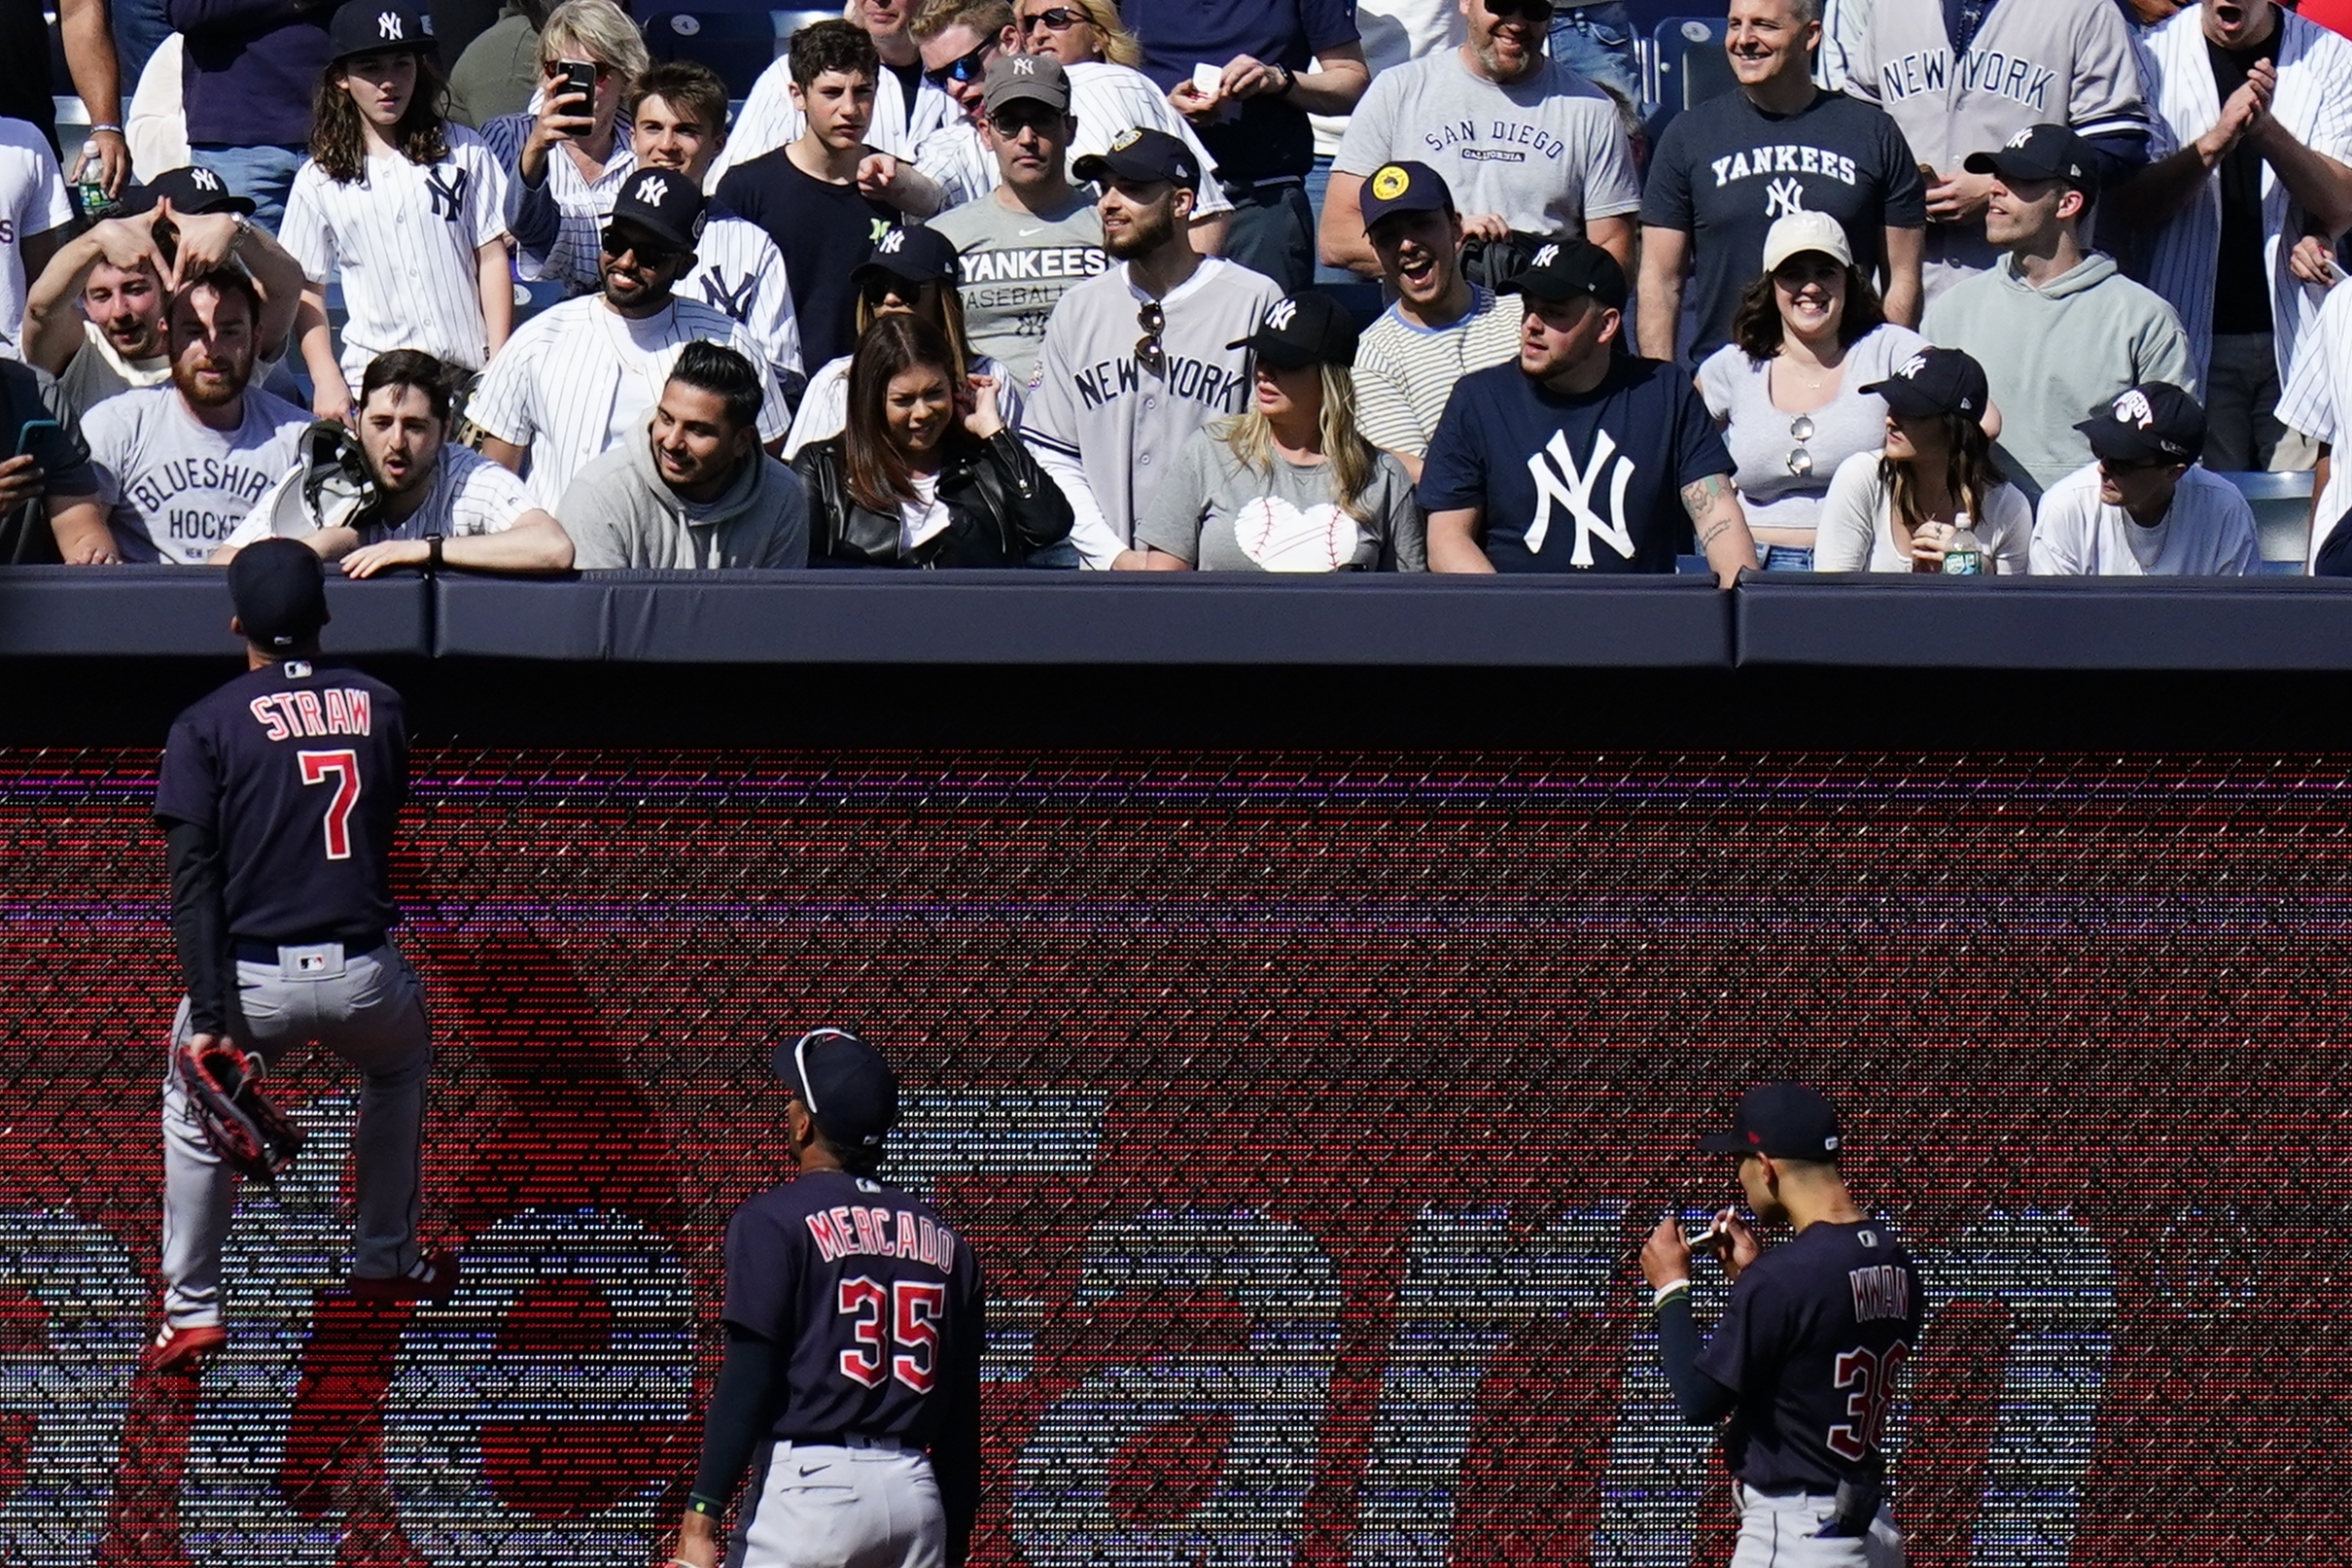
(44, 475)
(590, 55)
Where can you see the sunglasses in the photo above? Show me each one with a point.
(604, 73)
(1150, 354)
(1056, 20)
(1801, 461)
(970, 68)
(647, 253)
(1015, 117)
(1538, 11)
(879, 291)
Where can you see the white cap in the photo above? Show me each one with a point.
(1802, 231)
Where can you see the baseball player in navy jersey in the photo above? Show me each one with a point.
(277, 796)
(1806, 1358)
(855, 1326)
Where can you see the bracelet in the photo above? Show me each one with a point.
(99, 129)
(432, 552)
(1664, 1292)
(707, 1507)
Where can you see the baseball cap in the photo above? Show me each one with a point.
(2155, 422)
(1786, 1121)
(365, 26)
(918, 254)
(190, 190)
(2039, 153)
(279, 587)
(1305, 329)
(1404, 188)
(1564, 267)
(1143, 156)
(1934, 381)
(1014, 77)
(843, 1081)
(1800, 232)
(662, 203)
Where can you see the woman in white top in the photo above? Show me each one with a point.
(910, 272)
(1897, 510)
(1808, 338)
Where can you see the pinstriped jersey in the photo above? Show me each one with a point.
(739, 273)
(403, 237)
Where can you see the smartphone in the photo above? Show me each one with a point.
(35, 430)
(578, 81)
(1208, 78)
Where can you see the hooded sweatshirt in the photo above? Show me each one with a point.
(2055, 353)
(621, 514)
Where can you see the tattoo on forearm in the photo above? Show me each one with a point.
(1700, 498)
(1713, 532)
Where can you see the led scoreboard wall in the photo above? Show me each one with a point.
(1306, 1111)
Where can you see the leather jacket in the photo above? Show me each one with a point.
(1000, 506)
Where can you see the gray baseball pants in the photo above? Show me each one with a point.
(826, 1507)
(1786, 1532)
(367, 1008)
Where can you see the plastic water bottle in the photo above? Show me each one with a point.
(1963, 553)
(89, 184)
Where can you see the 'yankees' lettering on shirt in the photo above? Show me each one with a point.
(1063, 262)
(1980, 70)
(287, 716)
(1765, 161)
(847, 1228)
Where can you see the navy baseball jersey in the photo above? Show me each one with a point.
(875, 1302)
(298, 770)
(1813, 1342)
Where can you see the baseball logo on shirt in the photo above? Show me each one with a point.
(1281, 538)
(1561, 482)
(446, 184)
(735, 298)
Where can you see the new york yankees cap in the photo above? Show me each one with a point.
(1786, 1121)
(187, 189)
(1014, 77)
(664, 203)
(842, 1080)
(918, 254)
(1143, 156)
(2040, 152)
(367, 26)
(1565, 266)
(279, 587)
(2155, 422)
(1404, 187)
(1798, 232)
(1934, 381)
(1305, 329)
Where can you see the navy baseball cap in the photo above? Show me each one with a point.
(1306, 329)
(1786, 1121)
(1142, 156)
(917, 255)
(370, 27)
(1565, 266)
(843, 1081)
(279, 587)
(2040, 152)
(2155, 422)
(190, 190)
(662, 203)
(1405, 186)
(1934, 381)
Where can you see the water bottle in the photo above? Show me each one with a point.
(1963, 553)
(89, 184)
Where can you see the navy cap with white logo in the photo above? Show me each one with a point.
(279, 588)
(1567, 265)
(372, 27)
(2040, 152)
(1934, 381)
(190, 190)
(2155, 422)
(917, 255)
(1142, 156)
(1306, 329)
(1786, 1121)
(664, 203)
(843, 1082)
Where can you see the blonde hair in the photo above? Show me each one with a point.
(600, 30)
(1350, 459)
(1119, 46)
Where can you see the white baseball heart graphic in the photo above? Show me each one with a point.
(1281, 538)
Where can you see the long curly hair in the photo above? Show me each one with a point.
(338, 143)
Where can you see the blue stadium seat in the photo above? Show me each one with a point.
(2282, 514)
(1689, 65)
(735, 41)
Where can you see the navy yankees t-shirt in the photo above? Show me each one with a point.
(1591, 482)
(824, 230)
(299, 771)
(874, 1300)
(1726, 170)
(1814, 1343)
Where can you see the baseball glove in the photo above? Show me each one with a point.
(243, 1129)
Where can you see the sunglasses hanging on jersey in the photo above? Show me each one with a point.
(1150, 354)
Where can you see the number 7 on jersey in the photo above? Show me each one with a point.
(344, 767)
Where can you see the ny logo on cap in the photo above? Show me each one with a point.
(1025, 65)
(1281, 314)
(2023, 137)
(1545, 257)
(651, 190)
(1912, 368)
(2134, 409)
(894, 242)
(203, 179)
(387, 24)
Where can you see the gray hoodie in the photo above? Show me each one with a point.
(621, 514)
(2055, 353)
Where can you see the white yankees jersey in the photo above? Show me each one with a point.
(1108, 99)
(2208, 533)
(1104, 426)
(2313, 105)
(583, 205)
(403, 238)
(32, 201)
(174, 488)
(2316, 401)
(577, 378)
(739, 271)
(824, 408)
(959, 158)
(469, 495)
(768, 120)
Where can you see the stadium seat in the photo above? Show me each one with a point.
(737, 43)
(2282, 515)
(1689, 65)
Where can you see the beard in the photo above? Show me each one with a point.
(232, 387)
(1145, 233)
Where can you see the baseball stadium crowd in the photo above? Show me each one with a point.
(2003, 286)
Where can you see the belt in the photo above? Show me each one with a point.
(1791, 1490)
(253, 950)
(855, 1440)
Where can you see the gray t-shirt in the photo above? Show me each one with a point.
(1016, 265)
(1547, 154)
(1211, 510)
(1761, 436)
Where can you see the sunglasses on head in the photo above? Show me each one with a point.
(648, 253)
(970, 68)
(1056, 20)
(1150, 353)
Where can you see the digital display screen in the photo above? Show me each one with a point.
(1306, 1111)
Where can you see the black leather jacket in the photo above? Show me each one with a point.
(1000, 506)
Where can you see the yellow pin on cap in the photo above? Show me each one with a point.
(1390, 183)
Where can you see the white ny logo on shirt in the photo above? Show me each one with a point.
(1783, 196)
(1561, 482)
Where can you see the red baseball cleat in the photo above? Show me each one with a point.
(182, 1348)
(430, 1279)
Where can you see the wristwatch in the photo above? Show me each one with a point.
(1289, 81)
(432, 552)
(244, 229)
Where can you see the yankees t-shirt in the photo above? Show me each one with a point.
(824, 230)
(1726, 170)
(1016, 265)
(1216, 513)
(1584, 482)
(175, 488)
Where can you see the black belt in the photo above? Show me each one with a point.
(253, 950)
(856, 1440)
(1794, 1489)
